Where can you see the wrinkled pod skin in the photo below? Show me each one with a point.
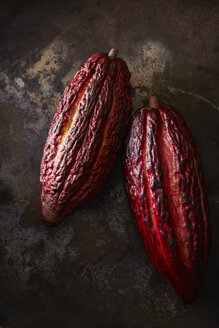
(85, 135)
(167, 197)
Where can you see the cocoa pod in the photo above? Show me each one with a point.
(167, 197)
(85, 135)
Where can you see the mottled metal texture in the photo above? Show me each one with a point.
(167, 197)
(92, 270)
(84, 138)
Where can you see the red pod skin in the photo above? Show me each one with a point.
(85, 135)
(167, 197)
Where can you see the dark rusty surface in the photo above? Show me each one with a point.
(92, 270)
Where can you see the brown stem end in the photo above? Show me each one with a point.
(153, 102)
(113, 53)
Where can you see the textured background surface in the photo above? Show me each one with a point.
(92, 270)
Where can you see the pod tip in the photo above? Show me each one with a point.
(113, 53)
(153, 102)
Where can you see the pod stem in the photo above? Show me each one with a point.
(113, 53)
(153, 102)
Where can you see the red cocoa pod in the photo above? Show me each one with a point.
(167, 197)
(85, 135)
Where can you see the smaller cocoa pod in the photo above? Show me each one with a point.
(85, 135)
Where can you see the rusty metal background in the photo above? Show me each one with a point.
(92, 270)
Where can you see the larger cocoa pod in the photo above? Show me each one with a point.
(167, 197)
(85, 135)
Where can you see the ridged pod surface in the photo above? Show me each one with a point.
(85, 135)
(167, 197)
